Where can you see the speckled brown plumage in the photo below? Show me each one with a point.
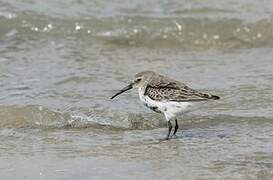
(162, 88)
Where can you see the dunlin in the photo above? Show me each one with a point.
(165, 95)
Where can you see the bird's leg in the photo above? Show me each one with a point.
(175, 128)
(169, 129)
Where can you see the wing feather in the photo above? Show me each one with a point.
(164, 88)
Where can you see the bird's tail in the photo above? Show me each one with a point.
(214, 97)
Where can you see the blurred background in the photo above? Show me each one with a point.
(61, 60)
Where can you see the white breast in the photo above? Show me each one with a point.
(169, 108)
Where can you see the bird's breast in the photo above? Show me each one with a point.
(169, 107)
(148, 102)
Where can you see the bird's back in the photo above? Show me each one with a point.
(162, 88)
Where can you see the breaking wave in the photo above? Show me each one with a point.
(186, 33)
(35, 116)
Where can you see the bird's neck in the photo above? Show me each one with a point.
(141, 92)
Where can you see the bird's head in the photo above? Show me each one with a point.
(139, 80)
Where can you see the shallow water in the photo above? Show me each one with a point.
(60, 61)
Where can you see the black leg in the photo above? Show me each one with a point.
(175, 128)
(169, 129)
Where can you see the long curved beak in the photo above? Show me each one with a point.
(130, 86)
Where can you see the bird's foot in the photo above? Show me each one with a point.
(167, 138)
(174, 136)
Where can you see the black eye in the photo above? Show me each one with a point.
(138, 79)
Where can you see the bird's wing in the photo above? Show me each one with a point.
(164, 88)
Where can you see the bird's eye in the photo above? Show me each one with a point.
(138, 79)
